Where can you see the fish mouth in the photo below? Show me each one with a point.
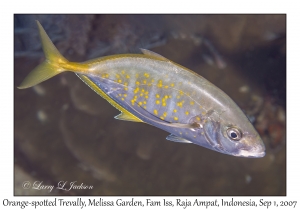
(261, 154)
(253, 147)
(245, 153)
(257, 152)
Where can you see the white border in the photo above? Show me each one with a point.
(29, 6)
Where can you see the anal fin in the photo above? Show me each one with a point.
(127, 117)
(174, 138)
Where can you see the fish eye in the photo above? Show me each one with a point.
(234, 134)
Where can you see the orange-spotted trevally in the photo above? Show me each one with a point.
(152, 89)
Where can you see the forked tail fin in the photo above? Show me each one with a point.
(54, 63)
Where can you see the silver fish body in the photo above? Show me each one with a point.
(177, 100)
(152, 89)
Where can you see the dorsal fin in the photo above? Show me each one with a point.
(153, 54)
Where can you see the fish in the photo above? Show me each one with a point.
(152, 89)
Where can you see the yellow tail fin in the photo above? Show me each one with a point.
(50, 67)
(54, 64)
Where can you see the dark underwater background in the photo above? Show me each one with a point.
(64, 131)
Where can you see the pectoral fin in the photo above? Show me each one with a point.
(174, 138)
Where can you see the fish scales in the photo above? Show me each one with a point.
(152, 89)
(139, 82)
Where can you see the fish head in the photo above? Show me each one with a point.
(238, 139)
